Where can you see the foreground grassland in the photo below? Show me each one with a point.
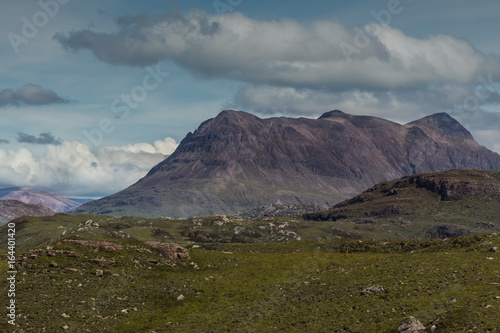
(295, 286)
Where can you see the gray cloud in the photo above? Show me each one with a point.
(4, 141)
(43, 139)
(287, 53)
(30, 94)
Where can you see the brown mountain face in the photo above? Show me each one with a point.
(11, 209)
(237, 160)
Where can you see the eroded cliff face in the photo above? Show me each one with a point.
(237, 160)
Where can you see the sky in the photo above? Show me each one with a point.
(93, 94)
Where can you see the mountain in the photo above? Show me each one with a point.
(236, 161)
(431, 205)
(34, 196)
(11, 209)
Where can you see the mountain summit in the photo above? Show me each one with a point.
(237, 160)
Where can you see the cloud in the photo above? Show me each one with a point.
(71, 168)
(43, 139)
(4, 141)
(322, 54)
(400, 106)
(30, 94)
(296, 68)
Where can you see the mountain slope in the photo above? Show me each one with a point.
(237, 160)
(34, 196)
(431, 205)
(11, 209)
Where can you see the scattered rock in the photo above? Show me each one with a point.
(53, 264)
(493, 249)
(102, 261)
(489, 258)
(411, 325)
(196, 246)
(486, 244)
(99, 272)
(88, 225)
(73, 254)
(65, 327)
(107, 245)
(181, 298)
(373, 290)
(485, 225)
(65, 315)
(452, 300)
(144, 250)
(222, 221)
(170, 250)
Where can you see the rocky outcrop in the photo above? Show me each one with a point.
(170, 250)
(411, 325)
(373, 290)
(237, 161)
(105, 244)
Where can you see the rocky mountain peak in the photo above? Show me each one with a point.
(333, 114)
(442, 123)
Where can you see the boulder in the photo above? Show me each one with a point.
(373, 290)
(170, 250)
(411, 325)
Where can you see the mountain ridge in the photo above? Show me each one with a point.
(34, 196)
(11, 209)
(237, 160)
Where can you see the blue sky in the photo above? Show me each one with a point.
(93, 94)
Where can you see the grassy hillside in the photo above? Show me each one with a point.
(297, 286)
(444, 204)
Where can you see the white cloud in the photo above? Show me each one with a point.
(292, 101)
(286, 52)
(72, 169)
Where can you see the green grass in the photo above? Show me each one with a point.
(297, 286)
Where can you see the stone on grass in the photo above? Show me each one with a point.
(373, 290)
(411, 325)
